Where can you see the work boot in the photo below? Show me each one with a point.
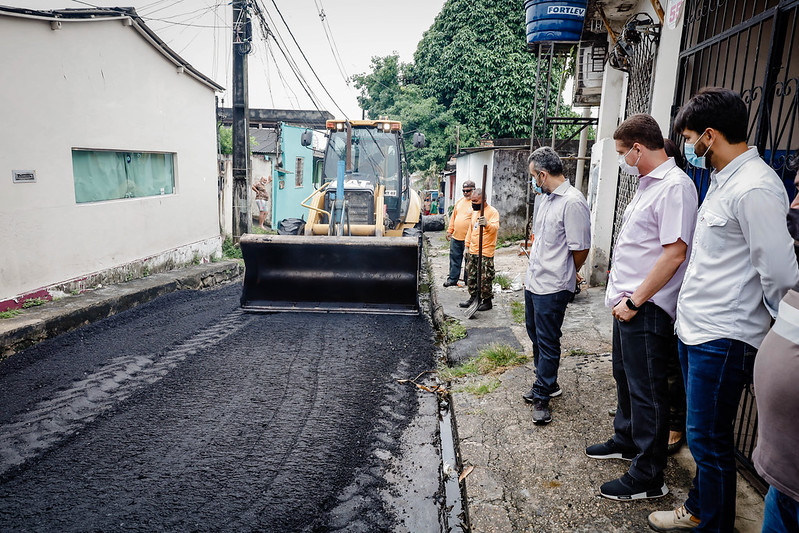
(468, 302)
(485, 305)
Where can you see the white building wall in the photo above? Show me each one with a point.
(96, 85)
(470, 167)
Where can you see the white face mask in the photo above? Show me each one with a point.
(632, 170)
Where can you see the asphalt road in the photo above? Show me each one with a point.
(186, 414)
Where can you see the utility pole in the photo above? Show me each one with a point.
(242, 44)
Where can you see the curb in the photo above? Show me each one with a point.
(60, 316)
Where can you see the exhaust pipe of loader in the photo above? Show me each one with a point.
(331, 274)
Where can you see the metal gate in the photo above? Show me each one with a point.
(749, 46)
(636, 57)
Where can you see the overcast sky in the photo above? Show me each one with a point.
(199, 30)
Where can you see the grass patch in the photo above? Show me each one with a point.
(480, 388)
(517, 311)
(577, 351)
(258, 231)
(33, 302)
(10, 313)
(493, 359)
(453, 330)
(503, 281)
(509, 240)
(230, 250)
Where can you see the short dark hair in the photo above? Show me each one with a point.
(672, 150)
(640, 128)
(715, 107)
(545, 158)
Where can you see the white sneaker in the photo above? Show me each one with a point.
(677, 520)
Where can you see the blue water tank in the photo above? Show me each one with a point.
(554, 20)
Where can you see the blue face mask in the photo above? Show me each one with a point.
(538, 189)
(690, 153)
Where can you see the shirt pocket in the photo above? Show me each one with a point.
(714, 232)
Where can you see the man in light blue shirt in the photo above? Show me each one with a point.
(741, 265)
(562, 230)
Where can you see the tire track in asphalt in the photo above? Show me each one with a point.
(53, 420)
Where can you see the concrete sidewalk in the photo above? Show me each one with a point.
(36, 324)
(537, 478)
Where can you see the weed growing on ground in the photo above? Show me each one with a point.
(503, 281)
(196, 259)
(517, 311)
(509, 240)
(494, 359)
(480, 388)
(33, 302)
(577, 351)
(146, 272)
(10, 313)
(454, 330)
(230, 250)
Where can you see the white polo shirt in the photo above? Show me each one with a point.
(562, 225)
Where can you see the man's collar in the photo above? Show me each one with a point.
(732, 167)
(561, 189)
(662, 169)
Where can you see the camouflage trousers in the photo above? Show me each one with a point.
(486, 279)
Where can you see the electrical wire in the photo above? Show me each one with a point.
(306, 59)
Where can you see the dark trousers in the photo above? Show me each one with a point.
(543, 316)
(676, 392)
(455, 260)
(715, 373)
(641, 349)
(781, 514)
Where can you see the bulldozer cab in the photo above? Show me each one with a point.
(376, 152)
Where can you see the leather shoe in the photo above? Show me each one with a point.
(467, 303)
(485, 305)
(450, 283)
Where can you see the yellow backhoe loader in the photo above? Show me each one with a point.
(361, 251)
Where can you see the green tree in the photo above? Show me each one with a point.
(226, 140)
(471, 72)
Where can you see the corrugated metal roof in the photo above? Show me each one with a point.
(266, 139)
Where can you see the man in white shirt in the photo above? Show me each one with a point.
(562, 238)
(741, 265)
(646, 272)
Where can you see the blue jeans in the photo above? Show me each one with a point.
(543, 316)
(715, 374)
(641, 351)
(455, 260)
(781, 514)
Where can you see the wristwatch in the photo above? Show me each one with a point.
(631, 304)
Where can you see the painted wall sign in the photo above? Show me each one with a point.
(673, 13)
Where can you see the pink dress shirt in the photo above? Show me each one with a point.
(662, 211)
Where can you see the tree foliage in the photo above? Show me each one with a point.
(471, 72)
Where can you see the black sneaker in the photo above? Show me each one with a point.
(529, 397)
(449, 283)
(628, 488)
(541, 412)
(609, 450)
(468, 302)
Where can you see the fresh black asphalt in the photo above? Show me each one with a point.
(185, 414)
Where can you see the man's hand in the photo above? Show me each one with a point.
(622, 313)
(449, 236)
(482, 221)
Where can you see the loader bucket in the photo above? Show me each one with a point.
(330, 274)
